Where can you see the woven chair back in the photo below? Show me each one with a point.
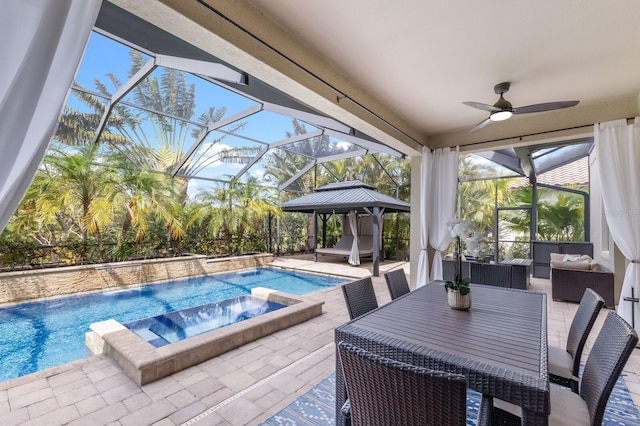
(386, 392)
(606, 360)
(581, 326)
(360, 297)
(397, 283)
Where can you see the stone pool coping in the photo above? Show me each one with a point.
(145, 363)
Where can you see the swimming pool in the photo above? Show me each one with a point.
(39, 335)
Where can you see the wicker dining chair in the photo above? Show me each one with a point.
(397, 283)
(360, 297)
(605, 362)
(386, 392)
(564, 365)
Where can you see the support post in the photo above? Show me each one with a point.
(278, 236)
(324, 230)
(270, 239)
(315, 236)
(376, 245)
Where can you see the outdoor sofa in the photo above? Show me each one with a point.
(571, 275)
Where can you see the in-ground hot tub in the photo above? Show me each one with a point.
(172, 327)
(145, 363)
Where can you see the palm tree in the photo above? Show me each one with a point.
(72, 193)
(281, 164)
(151, 139)
(145, 196)
(236, 209)
(561, 216)
(254, 204)
(478, 198)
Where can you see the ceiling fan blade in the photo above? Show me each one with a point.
(480, 125)
(484, 107)
(547, 106)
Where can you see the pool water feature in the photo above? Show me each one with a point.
(39, 335)
(175, 326)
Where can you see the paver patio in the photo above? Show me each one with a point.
(241, 387)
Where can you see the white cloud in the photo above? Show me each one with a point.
(192, 188)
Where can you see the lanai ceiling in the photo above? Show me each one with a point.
(422, 59)
(400, 70)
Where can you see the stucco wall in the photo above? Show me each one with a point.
(605, 251)
(29, 285)
(414, 243)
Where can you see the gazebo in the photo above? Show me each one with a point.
(344, 198)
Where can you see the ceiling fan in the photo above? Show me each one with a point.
(503, 110)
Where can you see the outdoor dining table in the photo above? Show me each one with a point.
(500, 344)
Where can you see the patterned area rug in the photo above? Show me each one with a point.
(317, 407)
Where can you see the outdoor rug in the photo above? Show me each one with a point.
(317, 407)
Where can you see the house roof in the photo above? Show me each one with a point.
(343, 197)
(576, 173)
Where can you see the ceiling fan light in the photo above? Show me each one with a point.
(500, 115)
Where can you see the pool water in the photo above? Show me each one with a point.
(39, 335)
(175, 326)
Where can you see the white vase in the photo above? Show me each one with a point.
(458, 301)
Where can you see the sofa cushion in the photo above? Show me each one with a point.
(583, 258)
(596, 267)
(583, 266)
(581, 262)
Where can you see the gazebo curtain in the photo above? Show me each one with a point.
(618, 158)
(354, 255)
(442, 203)
(422, 277)
(43, 43)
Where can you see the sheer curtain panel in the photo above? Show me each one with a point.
(442, 203)
(43, 43)
(422, 276)
(354, 255)
(618, 157)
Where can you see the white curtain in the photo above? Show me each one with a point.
(42, 44)
(425, 181)
(442, 199)
(618, 159)
(354, 256)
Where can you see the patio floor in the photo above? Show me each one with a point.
(242, 387)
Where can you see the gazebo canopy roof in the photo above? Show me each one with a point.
(342, 197)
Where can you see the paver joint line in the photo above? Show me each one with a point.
(254, 386)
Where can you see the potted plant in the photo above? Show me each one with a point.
(458, 290)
